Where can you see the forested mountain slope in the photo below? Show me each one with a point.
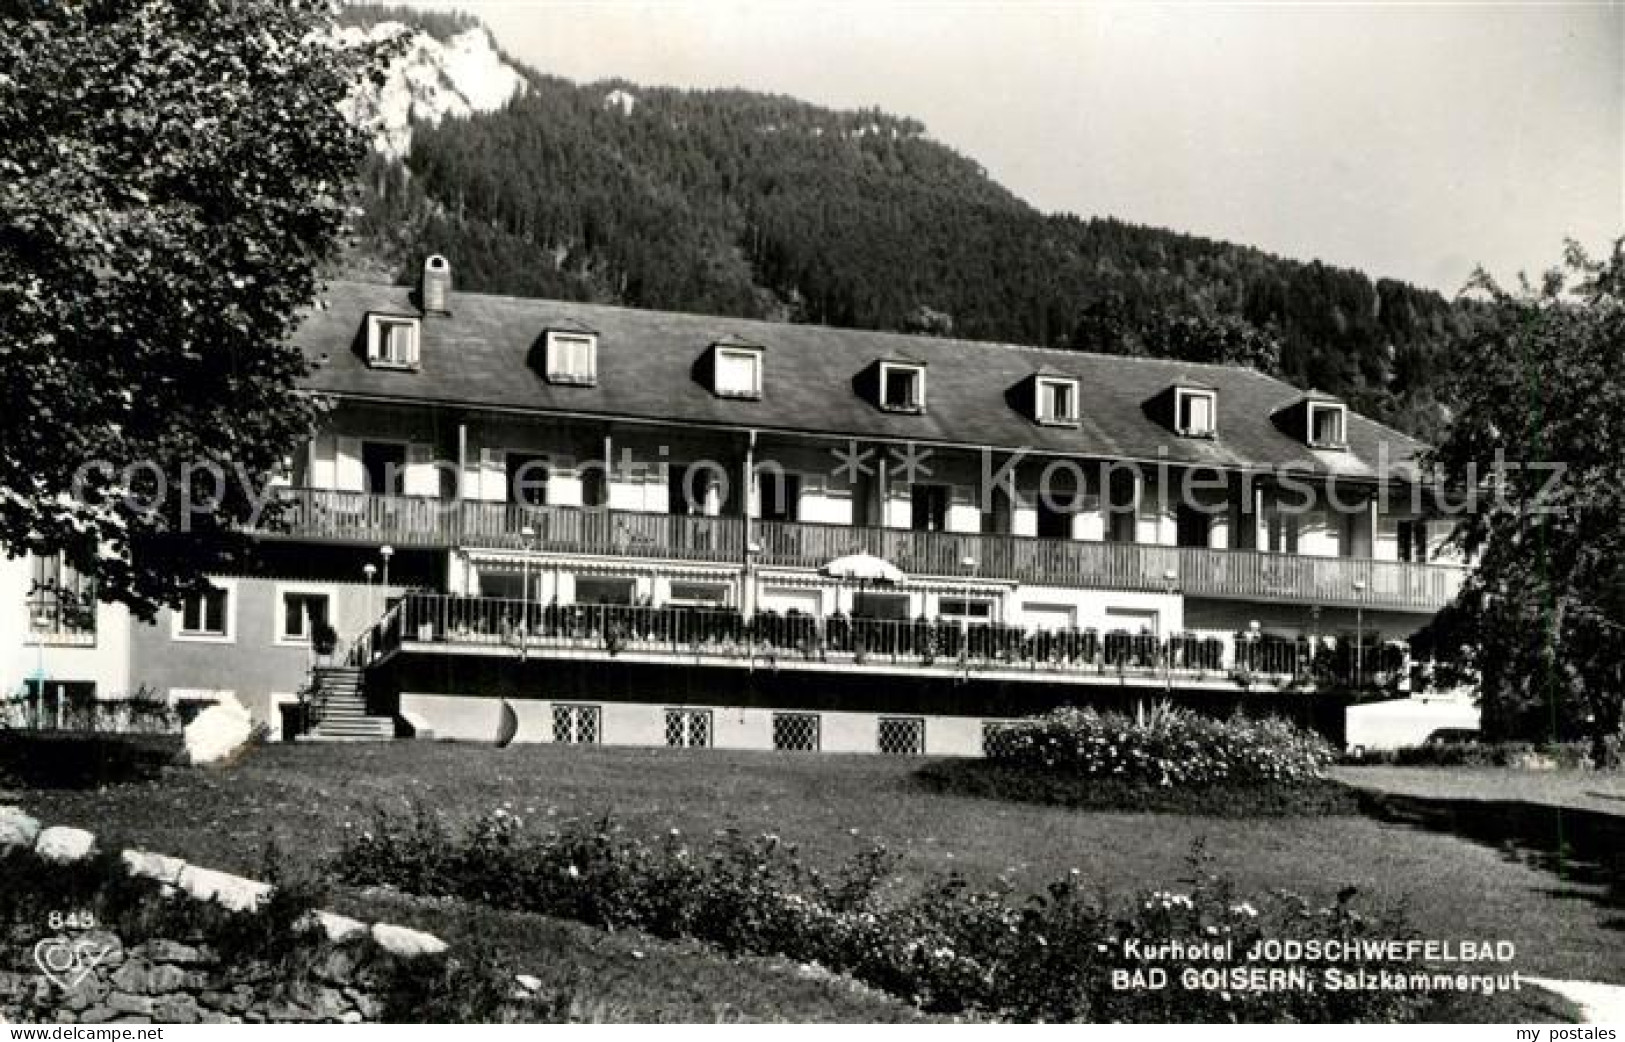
(735, 202)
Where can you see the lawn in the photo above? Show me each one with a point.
(305, 797)
(1602, 791)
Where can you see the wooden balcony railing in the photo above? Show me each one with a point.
(1195, 571)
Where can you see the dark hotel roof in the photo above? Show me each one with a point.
(486, 354)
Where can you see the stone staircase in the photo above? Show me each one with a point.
(343, 709)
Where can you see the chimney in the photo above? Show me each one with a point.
(436, 290)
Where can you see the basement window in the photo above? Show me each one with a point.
(572, 358)
(902, 387)
(1327, 425)
(392, 342)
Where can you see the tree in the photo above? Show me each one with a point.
(1541, 618)
(173, 173)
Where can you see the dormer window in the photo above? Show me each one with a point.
(1057, 401)
(737, 371)
(902, 387)
(392, 342)
(1196, 412)
(1328, 422)
(572, 357)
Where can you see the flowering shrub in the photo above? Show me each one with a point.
(1168, 747)
(947, 947)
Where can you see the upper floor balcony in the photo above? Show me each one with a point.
(411, 521)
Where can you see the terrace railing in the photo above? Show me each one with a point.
(1196, 571)
(515, 627)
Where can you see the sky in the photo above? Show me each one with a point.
(1416, 141)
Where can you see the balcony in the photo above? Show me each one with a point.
(357, 517)
(494, 627)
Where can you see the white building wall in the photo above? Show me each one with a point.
(1090, 607)
(476, 719)
(105, 663)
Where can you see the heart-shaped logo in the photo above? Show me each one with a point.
(66, 962)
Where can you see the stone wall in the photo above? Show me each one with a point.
(90, 976)
(167, 982)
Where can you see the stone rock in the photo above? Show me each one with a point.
(64, 845)
(529, 982)
(429, 80)
(329, 1004)
(161, 980)
(218, 732)
(336, 966)
(351, 1017)
(153, 866)
(129, 1005)
(223, 888)
(177, 954)
(107, 948)
(405, 942)
(369, 1007)
(209, 1016)
(97, 1015)
(17, 829)
(281, 1011)
(131, 978)
(90, 990)
(338, 927)
(177, 1009)
(237, 1000)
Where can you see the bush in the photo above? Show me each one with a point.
(1023, 784)
(82, 760)
(1169, 746)
(948, 948)
(1573, 755)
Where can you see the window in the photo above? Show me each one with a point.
(968, 609)
(1049, 618)
(1057, 401)
(392, 342)
(594, 485)
(1192, 525)
(1133, 620)
(708, 595)
(572, 358)
(795, 732)
(1054, 522)
(902, 387)
(61, 603)
(997, 738)
(902, 736)
(688, 728)
(594, 590)
(1196, 411)
(576, 725)
(303, 613)
(1413, 541)
(384, 463)
(738, 372)
(205, 615)
(1281, 532)
(527, 478)
(1326, 422)
(780, 495)
(880, 606)
(696, 490)
(930, 508)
